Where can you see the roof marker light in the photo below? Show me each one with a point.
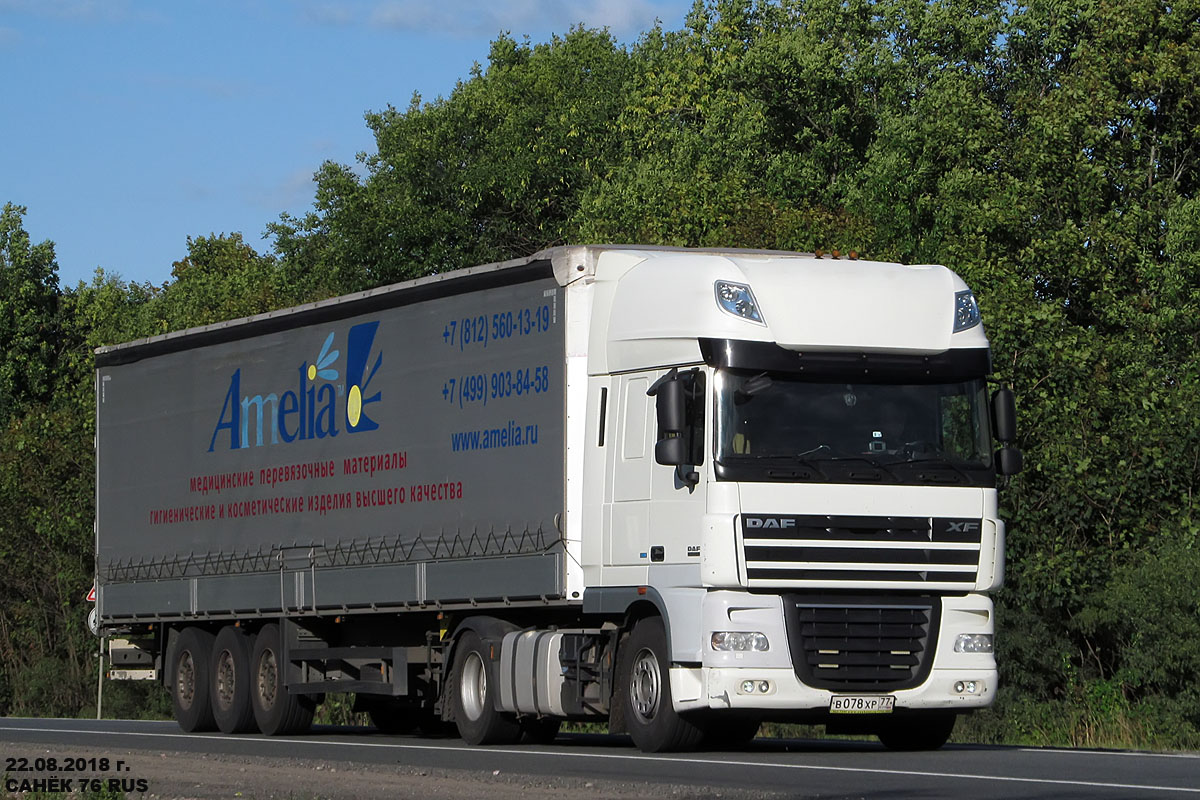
(966, 311)
(737, 299)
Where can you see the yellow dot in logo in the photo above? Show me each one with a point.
(354, 406)
(312, 372)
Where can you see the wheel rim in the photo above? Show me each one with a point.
(185, 679)
(226, 679)
(473, 688)
(645, 685)
(268, 674)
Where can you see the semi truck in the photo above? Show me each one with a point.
(685, 491)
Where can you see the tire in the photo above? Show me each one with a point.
(643, 676)
(539, 731)
(471, 696)
(276, 712)
(910, 734)
(190, 683)
(230, 685)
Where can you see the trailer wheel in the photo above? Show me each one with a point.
(471, 697)
(643, 676)
(276, 712)
(190, 680)
(927, 732)
(231, 681)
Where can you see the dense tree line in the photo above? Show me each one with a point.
(1047, 151)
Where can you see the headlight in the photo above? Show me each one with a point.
(966, 311)
(740, 641)
(973, 643)
(737, 299)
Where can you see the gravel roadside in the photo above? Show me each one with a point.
(192, 776)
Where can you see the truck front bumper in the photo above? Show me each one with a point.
(770, 682)
(779, 690)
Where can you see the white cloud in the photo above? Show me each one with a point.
(329, 13)
(481, 17)
(292, 192)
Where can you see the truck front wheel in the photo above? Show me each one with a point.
(275, 711)
(190, 680)
(472, 700)
(231, 681)
(643, 675)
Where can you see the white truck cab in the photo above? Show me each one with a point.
(793, 457)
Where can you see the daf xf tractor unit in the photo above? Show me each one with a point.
(685, 491)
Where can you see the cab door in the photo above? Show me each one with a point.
(630, 461)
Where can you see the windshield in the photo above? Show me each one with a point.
(776, 426)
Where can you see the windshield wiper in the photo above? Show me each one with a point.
(936, 463)
(870, 462)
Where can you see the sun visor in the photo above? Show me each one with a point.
(854, 305)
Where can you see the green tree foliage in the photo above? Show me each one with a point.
(45, 561)
(28, 314)
(221, 278)
(725, 140)
(45, 553)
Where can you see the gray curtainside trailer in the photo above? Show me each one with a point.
(396, 448)
(685, 491)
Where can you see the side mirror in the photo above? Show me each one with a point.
(1008, 461)
(671, 452)
(671, 408)
(673, 449)
(671, 405)
(1004, 415)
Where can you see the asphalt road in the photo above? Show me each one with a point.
(767, 767)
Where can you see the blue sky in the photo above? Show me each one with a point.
(128, 125)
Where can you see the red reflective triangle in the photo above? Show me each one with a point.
(91, 598)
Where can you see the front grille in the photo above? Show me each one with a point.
(862, 644)
(807, 550)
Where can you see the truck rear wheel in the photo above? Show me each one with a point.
(190, 680)
(276, 712)
(643, 676)
(231, 681)
(472, 698)
(926, 732)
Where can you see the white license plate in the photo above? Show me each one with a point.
(861, 704)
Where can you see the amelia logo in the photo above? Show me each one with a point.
(312, 410)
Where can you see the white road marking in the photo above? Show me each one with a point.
(664, 759)
(1059, 751)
